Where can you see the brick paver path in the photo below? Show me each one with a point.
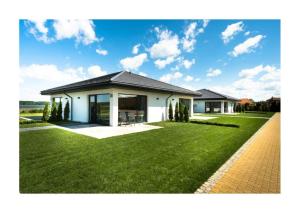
(258, 168)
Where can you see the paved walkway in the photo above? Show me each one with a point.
(98, 131)
(257, 168)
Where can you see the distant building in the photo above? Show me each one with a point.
(244, 101)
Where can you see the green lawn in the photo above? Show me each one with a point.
(175, 159)
(34, 125)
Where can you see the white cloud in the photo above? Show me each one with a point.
(190, 34)
(81, 30)
(252, 72)
(205, 23)
(143, 74)
(271, 76)
(247, 46)
(162, 63)
(133, 63)
(189, 41)
(135, 49)
(188, 64)
(188, 78)
(171, 76)
(38, 29)
(231, 30)
(50, 72)
(101, 52)
(213, 72)
(96, 71)
(259, 88)
(247, 33)
(188, 44)
(167, 46)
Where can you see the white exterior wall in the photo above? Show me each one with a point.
(230, 107)
(199, 105)
(156, 103)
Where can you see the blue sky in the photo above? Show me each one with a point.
(235, 57)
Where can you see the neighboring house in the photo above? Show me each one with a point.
(120, 97)
(213, 102)
(244, 101)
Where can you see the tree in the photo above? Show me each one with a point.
(59, 112)
(242, 108)
(186, 114)
(46, 112)
(170, 111)
(180, 112)
(67, 111)
(176, 112)
(53, 112)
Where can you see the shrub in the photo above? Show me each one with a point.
(53, 112)
(46, 113)
(180, 112)
(59, 112)
(30, 121)
(66, 111)
(186, 114)
(214, 123)
(176, 112)
(170, 111)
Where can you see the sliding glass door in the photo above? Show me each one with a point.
(99, 106)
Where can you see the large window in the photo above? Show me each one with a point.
(213, 107)
(132, 108)
(99, 106)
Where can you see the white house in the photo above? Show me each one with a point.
(120, 97)
(213, 102)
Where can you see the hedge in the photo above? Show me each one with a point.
(30, 121)
(214, 123)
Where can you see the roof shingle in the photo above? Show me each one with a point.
(123, 78)
(211, 95)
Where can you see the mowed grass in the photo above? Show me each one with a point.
(34, 125)
(175, 159)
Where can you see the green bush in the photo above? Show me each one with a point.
(46, 113)
(180, 112)
(170, 111)
(176, 112)
(53, 116)
(214, 123)
(66, 111)
(59, 112)
(186, 114)
(30, 121)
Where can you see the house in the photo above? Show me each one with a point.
(246, 101)
(120, 97)
(213, 102)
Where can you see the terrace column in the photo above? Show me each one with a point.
(222, 106)
(114, 109)
(192, 107)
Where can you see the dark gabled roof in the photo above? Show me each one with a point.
(211, 95)
(123, 79)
